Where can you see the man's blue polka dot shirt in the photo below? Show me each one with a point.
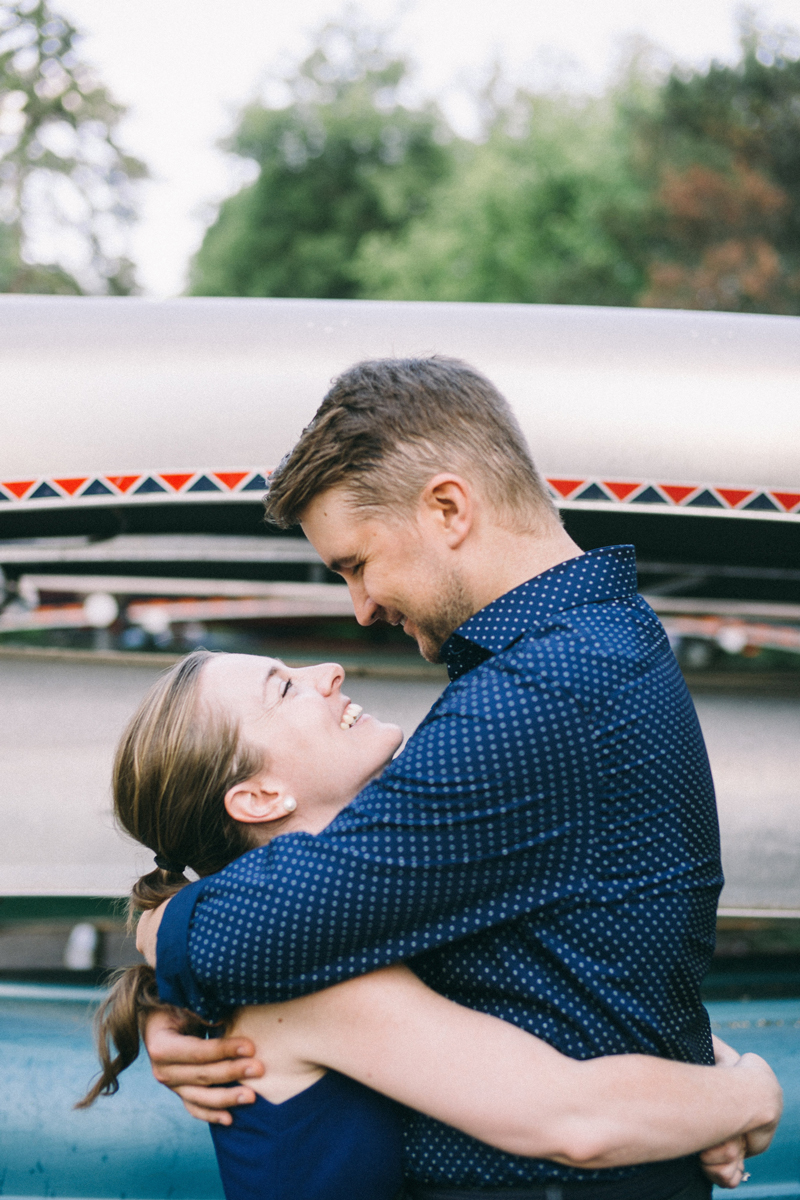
(545, 849)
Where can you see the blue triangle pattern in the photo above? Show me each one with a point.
(649, 496)
(149, 485)
(257, 484)
(44, 492)
(97, 488)
(204, 484)
(592, 492)
(706, 499)
(762, 503)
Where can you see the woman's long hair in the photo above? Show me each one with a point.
(174, 764)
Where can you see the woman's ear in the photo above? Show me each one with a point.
(253, 802)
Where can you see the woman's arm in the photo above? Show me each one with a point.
(504, 1086)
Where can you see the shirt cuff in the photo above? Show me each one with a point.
(176, 984)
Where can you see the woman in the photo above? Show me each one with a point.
(227, 752)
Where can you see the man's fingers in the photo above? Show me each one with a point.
(216, 1100)
(206, 1075)
(208, 1114)
(166, 1044)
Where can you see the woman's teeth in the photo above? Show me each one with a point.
(350, 715)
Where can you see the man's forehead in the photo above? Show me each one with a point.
(333, 525)
(338, 529)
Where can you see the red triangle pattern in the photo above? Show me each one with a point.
(231, 478)
(176, 482)
(734, 496)
(621, 490)
(677, 492)
(18, 487)
(71, 486)
(787, 500)
(565, 487)
(123, 483)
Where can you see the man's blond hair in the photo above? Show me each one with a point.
(386, 427)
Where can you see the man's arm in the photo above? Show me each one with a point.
(427, 854)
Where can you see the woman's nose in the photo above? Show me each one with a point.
(329, 677)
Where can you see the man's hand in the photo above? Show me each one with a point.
(147, 932)
(194, 1068)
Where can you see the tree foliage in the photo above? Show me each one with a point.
(344, 159)
(678, 192)
(723, 146)
(66, 192)
(533, 213)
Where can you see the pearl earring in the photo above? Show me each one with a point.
(290, 804)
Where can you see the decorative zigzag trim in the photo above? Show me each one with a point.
(675, 495)
(166, 485)
(205, 485)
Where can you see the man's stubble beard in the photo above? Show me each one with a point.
(453, 607)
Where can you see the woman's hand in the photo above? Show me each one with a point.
(724, 1164)
(194, 1068)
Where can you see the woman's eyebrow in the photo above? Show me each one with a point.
(272, 671)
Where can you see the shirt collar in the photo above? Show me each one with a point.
(597, 575)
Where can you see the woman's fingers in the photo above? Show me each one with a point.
(724, 1164)
(212, 1104)
(726, 1152)
(729, 1176)
(724, 1055)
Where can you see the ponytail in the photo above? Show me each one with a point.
(173, 767)
(153, 890)
(120, 1022)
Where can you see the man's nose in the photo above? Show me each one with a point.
(366, 610)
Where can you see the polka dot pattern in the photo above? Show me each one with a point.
(545, 849)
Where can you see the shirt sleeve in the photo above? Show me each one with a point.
(176, 984)
(486, 814)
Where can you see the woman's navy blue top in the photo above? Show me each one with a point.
(337, 1140)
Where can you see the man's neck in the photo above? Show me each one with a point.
(506, 559)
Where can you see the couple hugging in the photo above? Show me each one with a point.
(473, 969)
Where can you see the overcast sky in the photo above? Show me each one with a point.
(186, 66)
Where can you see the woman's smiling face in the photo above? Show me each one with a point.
(313, 748)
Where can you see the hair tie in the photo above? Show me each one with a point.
(166, 864)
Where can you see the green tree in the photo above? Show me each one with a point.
(66, 187)
(343, 160)
(540, 211)
(722, 147)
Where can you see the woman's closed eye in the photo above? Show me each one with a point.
(285, 688)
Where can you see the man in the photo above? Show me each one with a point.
(546, 846)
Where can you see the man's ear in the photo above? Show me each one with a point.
(448, 500)
(254, 802)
